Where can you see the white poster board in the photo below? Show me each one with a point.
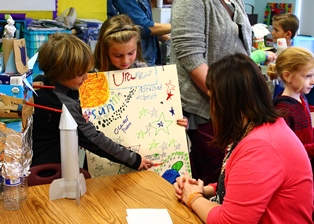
(140, 112)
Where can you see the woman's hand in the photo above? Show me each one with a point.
(145, 164)
(179, 184)
(190, 190)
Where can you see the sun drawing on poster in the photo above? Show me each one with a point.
(94, 91)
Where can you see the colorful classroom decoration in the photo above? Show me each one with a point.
(138, 108)
(275, 8)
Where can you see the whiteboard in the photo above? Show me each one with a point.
(306, 18)
(28, 5)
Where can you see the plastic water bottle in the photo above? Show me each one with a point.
(3, 136)
(11, 196)
(24, 188)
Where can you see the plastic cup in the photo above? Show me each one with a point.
(159, 3)
(281, 45)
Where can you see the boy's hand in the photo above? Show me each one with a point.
(86, 117)
(270, 57)
(145, 164)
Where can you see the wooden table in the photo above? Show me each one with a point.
(105, 201)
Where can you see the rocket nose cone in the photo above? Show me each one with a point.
(67, 122)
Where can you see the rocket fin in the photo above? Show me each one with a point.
(57, 189)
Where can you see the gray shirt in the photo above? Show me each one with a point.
(203, 32)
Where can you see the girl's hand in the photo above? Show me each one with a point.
(183, 122)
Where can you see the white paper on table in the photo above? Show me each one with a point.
(148, 215)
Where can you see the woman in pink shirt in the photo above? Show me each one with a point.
(266, 175)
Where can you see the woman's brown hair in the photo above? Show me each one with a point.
(237, 90)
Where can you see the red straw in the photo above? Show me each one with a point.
(43, 107)
(43, 87)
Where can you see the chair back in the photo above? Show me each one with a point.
(46, 173)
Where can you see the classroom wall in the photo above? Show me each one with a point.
(96, 9)
(260, 6)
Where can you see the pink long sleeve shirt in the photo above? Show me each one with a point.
(268, 180)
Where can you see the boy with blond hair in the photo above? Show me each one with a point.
(65, 61)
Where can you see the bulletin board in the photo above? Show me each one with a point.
(137, 108)
(275, 8)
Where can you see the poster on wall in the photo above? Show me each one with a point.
(137, 108)
(275, 8)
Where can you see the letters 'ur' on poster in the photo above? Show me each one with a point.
(137, 108)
